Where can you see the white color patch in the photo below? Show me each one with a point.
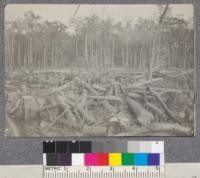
(157, 147)
(44, 159)
(77, 159)
(162, 159)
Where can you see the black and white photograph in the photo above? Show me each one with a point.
(93, 70)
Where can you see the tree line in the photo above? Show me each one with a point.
(100, 43)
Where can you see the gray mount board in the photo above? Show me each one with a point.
(29, 150)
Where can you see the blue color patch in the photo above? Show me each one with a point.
(154, 159)
(141, 159)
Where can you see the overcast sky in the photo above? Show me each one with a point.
(64, 13)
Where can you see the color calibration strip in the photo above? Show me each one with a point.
(103, 147)
(85, 153)
(103, 159)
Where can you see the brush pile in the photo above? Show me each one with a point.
(74, 102)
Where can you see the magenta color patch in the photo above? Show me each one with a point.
(90, 159)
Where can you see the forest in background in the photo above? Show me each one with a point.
(99, 76)
(99, 43)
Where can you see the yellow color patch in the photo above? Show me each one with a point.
(115, 159)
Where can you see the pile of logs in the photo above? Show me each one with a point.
(115, 103)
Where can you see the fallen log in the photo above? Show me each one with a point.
(64, 106)
(143, 116)
(58, 118)
(75, 109)
(54, 71)
(76, 82)
(105, 103)
(180, 73)
(130, 72)
(30, 108)
(167, 110)
(104, 121)
(110, 90)
(34, 79)
(79, 109)
(79, 118)
(116, 88)
(11, 128)
(58, 89)
(49, 107)
(83, 110)
(114, 127)
(132, 77)
(11, 88)
(70, 118)
(148, 81)
(16, 107)
(133, 87)
(155, 110)
(94, 131)
(12, 99)
(173, 129)
(135, 95)
(118, 123)
(67, 110)
(90, 90)
(109, 107)
(99, 88)
(106, 97)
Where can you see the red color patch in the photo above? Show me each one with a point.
(102, 159)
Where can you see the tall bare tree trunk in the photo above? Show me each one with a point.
(113, 53)
(153, 55)
(55, 54)
(141, 56)
(127, 51)
(104, 54)
(18, 54)
(150, 69)
(52, 51)
(76, 51)
(123, 59)
(92, 54)
(86, 50)
(30, 53)
(96, 54)
(12, 50)
(25, 54)
(135, 60)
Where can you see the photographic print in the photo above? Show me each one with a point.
(99, 70)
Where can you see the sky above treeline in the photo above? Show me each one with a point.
(123, 13)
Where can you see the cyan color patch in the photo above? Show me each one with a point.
(141, 159)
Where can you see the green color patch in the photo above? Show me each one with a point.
(128, 159)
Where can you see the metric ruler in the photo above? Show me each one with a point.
(103, 172)
(83, 159)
